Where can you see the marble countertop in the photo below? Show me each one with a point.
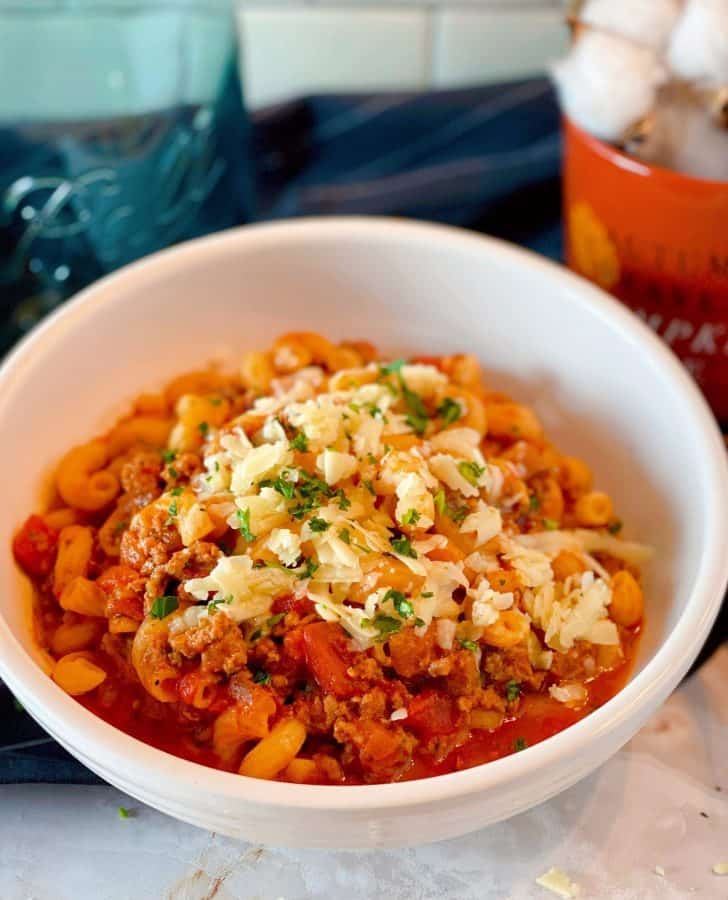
(650, 823)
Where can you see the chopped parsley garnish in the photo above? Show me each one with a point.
(175, 492)
(427, 594)
(403, 547)
(419, 623)
(449, 411)
(470, 471)
(386, 625)
(369, 486)
(392, 367)
(169, 456)
(310, 567)
(123, 812)
(520, 744)
(440, 502)
(203, 428)
(458, 515)
(550, 524)
(317, 524)
(119, 527)
(173, 473)
(256, 635)
(261, 677)
(300, 443)
(401, 604)
(467, 644)
(533, 502)
(614, 527)
(163, 606)
(417, 416)
(219, 601)
(171, 513)
(282, 485)
(411, 517)
(371, 458)
(244, 524)
(312, 491)
(513, 690)
(345, 536)
(274, 620)
(215, 401)
(343, 501)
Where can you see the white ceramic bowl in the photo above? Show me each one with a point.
(604, 386)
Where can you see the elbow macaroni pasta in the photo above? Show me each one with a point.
(332, 568)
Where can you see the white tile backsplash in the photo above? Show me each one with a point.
(472, 46)
(295, 51)
(296, 47)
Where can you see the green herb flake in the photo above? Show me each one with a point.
(520, 744)
(310, 567)
(467, 644)
(171, 513)
(343, 501)
(163, 606)
(419, 623)
(317, 524)
(215, 401)
(403, 547)
(173, 473)
(244, 524)
(123, 812)
(411, 517)
(513, 691)
(449, 411)
(458, 515)
(386, 626)
(417, 416)
(300, 443)
(120, 527)
(345, 536)
(284, 487)
(550, 524)
(470, 471)
(169, 456)
(426, 595)
(391, 368)
(614, 527)
(404, 607)
(175, 492)
(440, 502)
(262, 677)
(274, 620)
(369, 486)
(203, 428)
(533, 502)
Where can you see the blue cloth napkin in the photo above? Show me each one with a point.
(485, 158)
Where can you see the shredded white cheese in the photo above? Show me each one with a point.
(559, 883)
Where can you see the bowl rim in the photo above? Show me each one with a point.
(142, 764)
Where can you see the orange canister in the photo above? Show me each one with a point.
(657, 240)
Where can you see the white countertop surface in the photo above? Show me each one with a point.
(661, 802)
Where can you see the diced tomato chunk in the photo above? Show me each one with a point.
(301, 605)
(35, 547)
(328, 659)
(432, 713)
(124, 589)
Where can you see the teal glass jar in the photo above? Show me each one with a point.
(122, 131)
